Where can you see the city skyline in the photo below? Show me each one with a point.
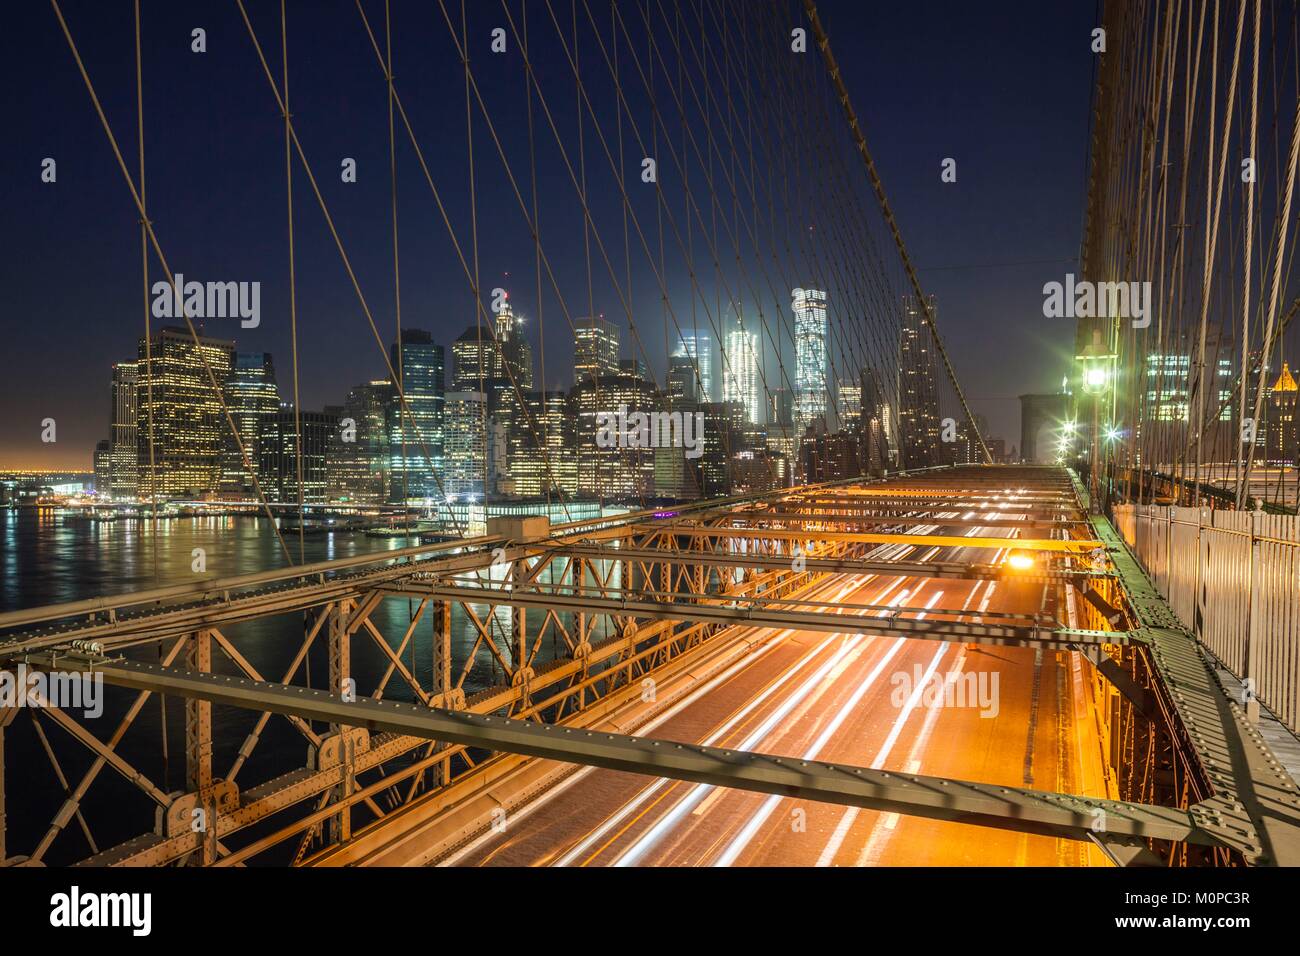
(329, 317)
(496, 451)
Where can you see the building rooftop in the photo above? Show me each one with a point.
(1285, 382)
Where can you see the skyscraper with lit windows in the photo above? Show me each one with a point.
(358, 458)
(466, 445)
(416, 431)
(698, 348)
(122, 433)
(595, 348)
(740, 382)
(918, 388)
(810, 387)
(251, 396)
(174, 390)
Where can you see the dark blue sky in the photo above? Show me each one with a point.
(1002, 88)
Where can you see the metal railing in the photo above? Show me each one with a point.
(1233, 578)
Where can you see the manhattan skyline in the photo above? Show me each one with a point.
(234, 228)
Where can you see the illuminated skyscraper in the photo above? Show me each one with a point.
(740, 373)
(416, 433)
(874, 424)
(278, 450)
(850, 406)
(723, 423)
(1284, 428)
(618, 472)
(542, 453)
(698, 347)
(1173, 389)
(466, 413)
(103, 464)
(474, 356)
(122, 433)
(682, 384)
(918, 394)
(810, 385)
(781, 436)
(251, 396)
(595, 348)
(513, 362)
(358, 458)
(189, 426)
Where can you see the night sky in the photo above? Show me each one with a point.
(1002, 88)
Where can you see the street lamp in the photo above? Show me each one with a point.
(1019, 560)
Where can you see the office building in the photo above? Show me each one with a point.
(740, 379)
(542, 456)
(618, 470)
(466, 445)
(278, 453)
(359, 457)
(122, 438)
(251, 396)
(810, 331)
(918, 388)
(1284, 427)
(174, 390)
(103, 465)
(697, 348)
(416, 431)
(595, 348)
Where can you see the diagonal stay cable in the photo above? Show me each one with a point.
(823, 42)
(157, 247)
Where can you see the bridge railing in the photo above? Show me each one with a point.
(1233, 578)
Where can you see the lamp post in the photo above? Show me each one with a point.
(1096, 377)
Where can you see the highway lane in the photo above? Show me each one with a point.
(1009, 715)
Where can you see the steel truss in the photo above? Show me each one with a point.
(620, 600)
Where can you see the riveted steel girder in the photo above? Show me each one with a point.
(1011, 808)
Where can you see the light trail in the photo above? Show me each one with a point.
(742, 839)
(700, 791)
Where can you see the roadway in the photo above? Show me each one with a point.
(1012, 715)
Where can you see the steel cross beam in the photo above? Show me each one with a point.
(935, 501)
(939, 500)
(865, 537)
(910, 569)
(841, 517)
(758, 612)
(1009, 808)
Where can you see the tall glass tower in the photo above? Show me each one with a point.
(357, 469)
(466, 444)
(810, 358)
(174, 392)
(595, 349)
(251, 396)
(918, 388)
(419, 428)
(698, 347)
(740, 373)
(123, 453)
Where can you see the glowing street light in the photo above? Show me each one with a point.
(1019, 560)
